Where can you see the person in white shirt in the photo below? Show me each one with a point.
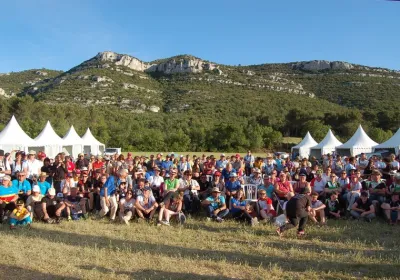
(155, 182)
(190, 195)
(32, 166)
(362, 162)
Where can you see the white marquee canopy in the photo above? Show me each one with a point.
(12, 137)
(392, 143)
(91, 144)
(48, 141)
(303, 148)
(359, 143)
(327, 145)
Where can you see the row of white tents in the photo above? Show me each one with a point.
(359, 143)
(12, 137)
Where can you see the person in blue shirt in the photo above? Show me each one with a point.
(23, 186)
(232, 187)
(166, 164)
(238, 208)
(8, 196)
(216, 206)
(43, 183)
(268, 186)
(108, 200)
(226, 172)
(221, 163)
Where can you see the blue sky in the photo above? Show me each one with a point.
(61, 34)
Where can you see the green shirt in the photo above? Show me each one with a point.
(170, 185)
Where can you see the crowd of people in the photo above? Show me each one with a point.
(251, 189)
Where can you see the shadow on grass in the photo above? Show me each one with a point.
(155, 274)
(20, 273)
(255, 260)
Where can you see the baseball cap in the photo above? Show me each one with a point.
(52, 191)
(215, 189)
(233, 174)
(217, 173)
(36, 188)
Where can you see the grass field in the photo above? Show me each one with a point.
(199, 250)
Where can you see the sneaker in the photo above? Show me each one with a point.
(125, 220)
(49, 221)
(254, 222)
(140, 220)
(219, 220)
(58, 220)
(300, 233)
(112, 221)
(158, 223)
(69, 219)
(85, 216)
(208, 219)
(165, 223)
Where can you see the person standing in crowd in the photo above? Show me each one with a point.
(297, 211)
(60, 172)
(81, 162)
(32, 166)
(248, 163)
(17, 164)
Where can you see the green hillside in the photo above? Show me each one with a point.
(185, 103)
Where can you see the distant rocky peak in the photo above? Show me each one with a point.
(318, 65)
(179, 64)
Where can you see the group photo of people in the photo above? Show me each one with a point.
(169, 189)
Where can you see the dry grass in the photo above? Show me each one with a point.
(201, 250)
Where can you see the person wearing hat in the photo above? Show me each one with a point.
(32, 166)
(376, 188)
(256, 178)
(43, 184)
(171, 183)
(363, 208)
(232, 187)
(155, 182)
(318, 183)
(190, 188)
(81, 162)
(146, 205)
(51, 209)
(75, 205)
(23, 185)
(216, 206)
(34, 200)
(297, 211)
(217, 182)
(8, 196)
(221, 163)
(20, 216)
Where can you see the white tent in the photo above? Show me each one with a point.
(48, 141)
(73, 143)
(12, 137)
(303, 148)
(327, 145)
(392, 143)
(357, 144)
(91, 144)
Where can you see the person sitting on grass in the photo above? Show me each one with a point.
(317, 209)
(8, 197)
(146, 205)
(232, 187)
(363, 208)
(376, 188)
(354, 191)
(267, 211)
(392, 209)
(34, 200)
(51, 209)
(171, 206)
(76, 205)
(331, 186)
(20, 216)
(190, 188)
(332, 209)
(297, 211)
(216, 206)
(127, 207)
(238, 209)
(23, 185)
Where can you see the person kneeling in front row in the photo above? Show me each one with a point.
(51, 209)
(216, 207)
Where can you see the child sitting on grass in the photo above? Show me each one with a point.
(332, 209)
(20, 216)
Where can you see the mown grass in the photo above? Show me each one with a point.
(199, 250)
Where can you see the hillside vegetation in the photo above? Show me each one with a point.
(185, 103)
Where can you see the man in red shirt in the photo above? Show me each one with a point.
(97, 165)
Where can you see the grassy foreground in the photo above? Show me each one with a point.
(199, 250)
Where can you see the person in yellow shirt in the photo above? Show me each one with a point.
(20, 216)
